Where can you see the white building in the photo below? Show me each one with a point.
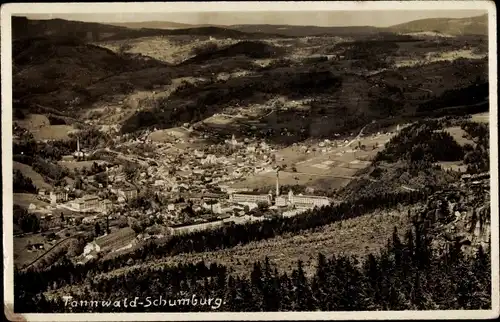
(90, 203)
(240, 197)
(307, 201)
(215, 208)
(302, 201)
(281, 201)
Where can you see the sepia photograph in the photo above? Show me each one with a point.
(250, 161)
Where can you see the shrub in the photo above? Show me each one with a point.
(26, 221)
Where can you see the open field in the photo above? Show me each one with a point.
(33, 122)
(432, 57)
(21, 255)
(268, 179)
(459, 135)
(481, 117)
(25, 199)
(168, 135)
(165, 49)
(325, 168)
(28, 171)
(53, 132)
(24, 256)
(39, 126)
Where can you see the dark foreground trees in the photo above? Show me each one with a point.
(406, 275)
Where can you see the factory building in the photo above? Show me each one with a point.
(240, 197)
(302, 201)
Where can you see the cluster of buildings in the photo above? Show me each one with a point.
(289, 200)
(196, 178)
(95, 203)
(60, 198)
(196, 172)
(199, 170)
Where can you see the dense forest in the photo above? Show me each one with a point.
(422, 141)
(194, 102)
(428, 141)
(406, 275)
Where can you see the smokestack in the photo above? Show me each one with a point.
(277, 183)
(78, 144)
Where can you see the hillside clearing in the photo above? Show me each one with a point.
(459, 135)
(25, 199)
(53, 132)
(72, 165)
(28, 171)
(357, 237)
(481, 117)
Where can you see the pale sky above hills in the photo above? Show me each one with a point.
(378, 18)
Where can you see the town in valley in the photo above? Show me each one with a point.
(149, 147)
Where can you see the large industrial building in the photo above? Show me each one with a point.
(302, 201)
(297, 201)
(241, 197)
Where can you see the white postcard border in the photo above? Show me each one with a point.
(8, 10)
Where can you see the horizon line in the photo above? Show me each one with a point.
(95, 19)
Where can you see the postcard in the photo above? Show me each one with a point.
(250, 161)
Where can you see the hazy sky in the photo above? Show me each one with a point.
(378, 18)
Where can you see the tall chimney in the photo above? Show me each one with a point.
(277, 183)
(77, 144)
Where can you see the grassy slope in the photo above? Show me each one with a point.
(470, 25)
(357, 237)
(28, 171)
(25, 199)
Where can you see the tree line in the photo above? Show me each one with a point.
(22, 184)
(407, 274)
(224, 237)
(421, 141)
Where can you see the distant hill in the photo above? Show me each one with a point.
(23, 27)
(304, 31)
(54, 71)
(457, 26)
(214, 32)
(155, 25)
(251, 49)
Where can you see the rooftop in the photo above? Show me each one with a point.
(312, 197)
